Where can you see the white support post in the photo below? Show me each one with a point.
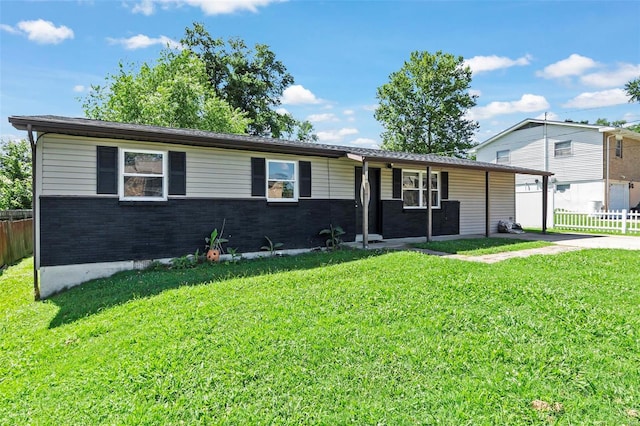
(624, 221)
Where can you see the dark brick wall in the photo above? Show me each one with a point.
(97, 229)
(398, 222)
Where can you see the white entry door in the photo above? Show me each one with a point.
(619, 196)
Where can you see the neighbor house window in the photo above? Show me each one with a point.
(503, 157)
(618, 148)
(281, 181)
(561, 187)
(144, 175)
(416, 188)
(562, 149)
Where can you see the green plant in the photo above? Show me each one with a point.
(215, 240)
(271, 247)
(335, 233)
(235, 256)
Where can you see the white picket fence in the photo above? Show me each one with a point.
(621, 221)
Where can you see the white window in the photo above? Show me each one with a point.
(561, 187)
(562, 149)
(282, 184)
(416, 189)
(503, 157)
(618, 148)
(143, 175)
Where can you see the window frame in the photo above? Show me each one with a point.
(560, 152)
(122, 174)
(296, 180)
(619, 148)
(508, 157)
(421, 202)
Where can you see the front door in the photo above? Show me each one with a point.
(374, 203)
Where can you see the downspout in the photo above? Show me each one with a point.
(34, 201)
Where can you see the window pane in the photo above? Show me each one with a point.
(434, 181)
(140, 162)
(280, 189)
(434, 199)
(410, 180)
(410, 198)
(137, 186)
(281, 171)
(562, 148)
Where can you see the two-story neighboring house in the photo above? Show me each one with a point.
(595, 167)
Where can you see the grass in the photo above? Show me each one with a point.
(330, 338)
(481, 246)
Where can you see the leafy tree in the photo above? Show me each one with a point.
(173, 93)
(633, 89)
(605, 122)
(252, 81)
(15, 175)
(422, 108)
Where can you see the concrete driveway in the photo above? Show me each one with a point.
(581, 240)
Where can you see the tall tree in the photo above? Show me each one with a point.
(633, 90)
(422, 107)
(175, 92)
(15, 175)
(252, 80)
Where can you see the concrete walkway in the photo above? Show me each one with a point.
(561, 243)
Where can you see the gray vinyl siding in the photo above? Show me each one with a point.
(502, 206)
(527, 150)
(69, 168)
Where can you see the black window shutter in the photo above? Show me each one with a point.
(258, 177)
(305, 178)
(397, 183)
(444, 181)
(177, 173)
(107, 170)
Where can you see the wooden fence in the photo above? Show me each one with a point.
(16, 235)
(621, 221)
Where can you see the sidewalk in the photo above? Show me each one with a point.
(561, 243)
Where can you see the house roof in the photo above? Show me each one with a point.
(107, 129)
(530, 121)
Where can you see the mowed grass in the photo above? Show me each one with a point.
(481, 246)
(331, 338)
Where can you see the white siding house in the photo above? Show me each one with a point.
(577, 155)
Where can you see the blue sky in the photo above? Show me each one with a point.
(569, 59)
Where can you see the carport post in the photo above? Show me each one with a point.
(364, 200)
(545, 184)
(429, 206)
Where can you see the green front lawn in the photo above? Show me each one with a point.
(330, 338)
(481, 246)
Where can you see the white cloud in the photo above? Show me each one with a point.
(142, 41)
(480, 64)
(282, 111)
(79, 88)
(365, 142)
(572, 66)
(613, 78)
(40, 31)
(208, 7)
(527, 103)
(9, 29)
(336, 135)
(348, 112)
(298, 95)
(598, 99)
(474, 92)
(318, 118)
(371, 107)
